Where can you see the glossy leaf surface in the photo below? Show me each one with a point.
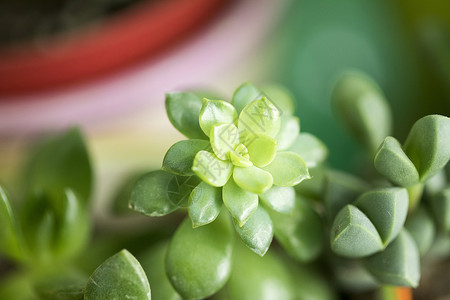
(353, 234)
(216, 112)
(245, 94)
(119, 277)
(240, 203)
(398, 264)
(183, 110)
(179, 158)
(10, 236)
(198, 261)
(280, 199)
(289, 131)
(262, 150)
(252, 179)
(205, 203)
(224, 138)
(428, 145)
(287, 169)
(257, 232)
(392, 162)
(386, 208)
(310, 148)
(211, 169)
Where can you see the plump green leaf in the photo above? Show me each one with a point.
(211, 169)
(287, 169)
(59, 163)
(341, 189)
(224, 138)
(362, 107)
(152, 261)
(279, 198)
(392, 162)
(258, 117)
(252, 179)
(159, 193)
(198, 261)
(11, 243)
(263, 278)
(289, 131)
(183, 110)
(119, 277)
(262, 150)
(353, 234)
(240, 203)
(310, 148)
(422, 229)
(245, 94)
(440, 205)
(216, 112)
(281, 97)
(387, 209)
(257, 232)
(61, 287)
(428, 145)
(179, 158)
(398, 264)
(300, 233)
(240, 160)
(205, 203)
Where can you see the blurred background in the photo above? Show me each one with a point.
(105, 66)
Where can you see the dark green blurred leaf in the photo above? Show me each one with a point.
(205, 203)
(245, 94)
(152, 261)
(257, 232)
(61, 287)
(353, 234)
(183, 110)
(362, 107)
(179, 158)
(392, 162)
(422, 229)
(198, 261)
(301, 232)
(386, 208)
(119, 277)
(59, 163)
(11, 243)
(428, 145)
(398, 264)
(440, 205)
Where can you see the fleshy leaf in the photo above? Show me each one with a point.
(211, 169)
(279, 198)
(287, 169)
(257, 232)
(150, 194)
(258, 117)
(183, 110)
(198, 261)
(240, 203)
(215, 112)
(289, 131)
(239, 160)
(119, 277)
(245, 94)
(440, 205)
(363, 108)
(422, 229)
(252, 179)
(300, 233)
(62, 162)
(341, 189)
(11, 242)
(205, 203)
(428, 145)
(281, 97)
(224, 138)
(152, 261)
(353, 234)
(263, 278)
(392, 162)
(398, 264)
(61, 287)
(387, 209)
(179, 158)
(310, 148)
(262, 150)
